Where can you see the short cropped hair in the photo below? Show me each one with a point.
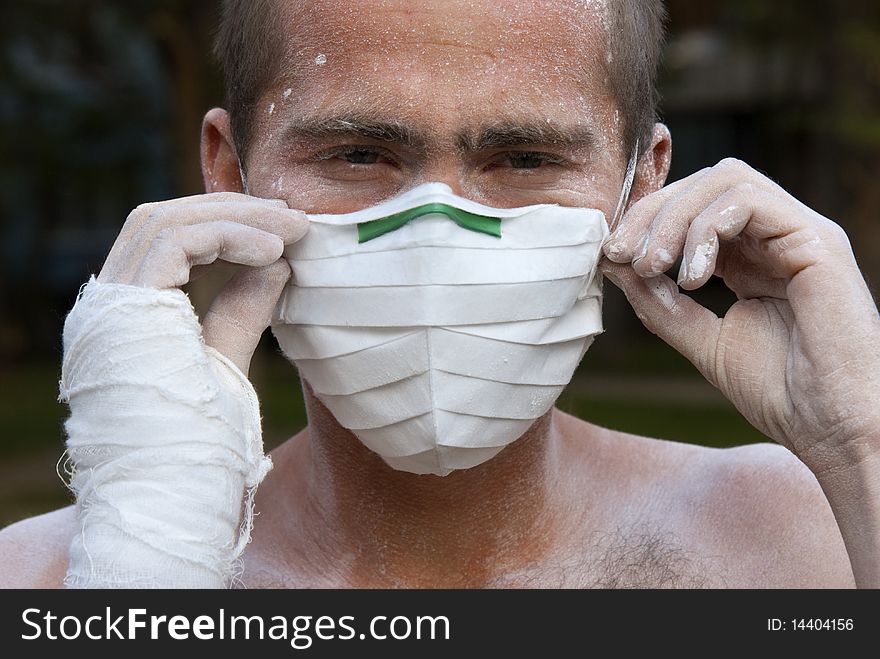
(247, 46)
(636, 34)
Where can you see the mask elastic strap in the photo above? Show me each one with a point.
(627, 184)
(244, 184)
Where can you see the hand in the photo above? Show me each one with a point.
(799, 353)
(160, 244)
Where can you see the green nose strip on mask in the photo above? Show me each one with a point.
(471, 221)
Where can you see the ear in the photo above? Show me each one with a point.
(220, 167)
(653, 165)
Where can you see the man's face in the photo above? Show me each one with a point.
(506, 102)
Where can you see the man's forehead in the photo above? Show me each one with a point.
(459, 60)
(544, 34)
(391, 19)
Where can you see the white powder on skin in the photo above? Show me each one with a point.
(728, 227)
(661, 261)
(662, 290)
(700, 260)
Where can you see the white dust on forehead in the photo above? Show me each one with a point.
(335, 35)
(558, 46)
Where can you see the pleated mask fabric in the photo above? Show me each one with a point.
(436, 329)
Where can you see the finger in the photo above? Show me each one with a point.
(746, 278)
(687, 326)
(289, 225)
(143, 226)
(627, 239)
(147, 213)
(177, 249)
(667, 228)
(723, 219)
(657, 231)
(778, 232)
(243, 310)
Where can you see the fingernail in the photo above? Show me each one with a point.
(279, 246)
(663, 292)
(613, 250)
(699, 261)
(682, 272)
(661, 262)
(641, 249)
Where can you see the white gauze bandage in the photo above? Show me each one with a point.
(164, 444)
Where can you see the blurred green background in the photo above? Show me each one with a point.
(100, 108)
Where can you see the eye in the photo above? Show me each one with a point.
(527, 160)
(359, 155)
(357, 163)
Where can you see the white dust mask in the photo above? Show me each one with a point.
(436, 329)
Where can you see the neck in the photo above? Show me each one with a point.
(379, 527)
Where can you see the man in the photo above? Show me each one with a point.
(335, 106)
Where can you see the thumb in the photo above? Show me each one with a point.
(676, 318)
(242, 311)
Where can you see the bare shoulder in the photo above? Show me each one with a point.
(765, 513)
(33, 552)
(749, 517)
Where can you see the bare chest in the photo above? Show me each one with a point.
(635, 559)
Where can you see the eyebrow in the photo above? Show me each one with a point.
(491, 136)
(364, 126)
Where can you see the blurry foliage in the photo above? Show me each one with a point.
(811, 119)
(100, 105)
(841, 40)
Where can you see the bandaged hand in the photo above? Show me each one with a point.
(797, 354)
(164, 434)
